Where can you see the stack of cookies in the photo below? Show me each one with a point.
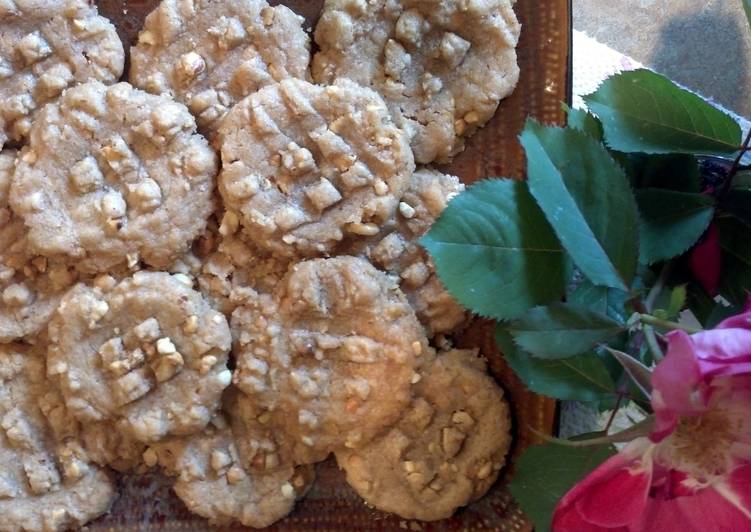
(213, 269)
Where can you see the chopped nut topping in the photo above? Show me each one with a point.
(220, 460)
(191, 324)
(146, 195)
(189, 66)
(235, 474)
(150, 457)
(452, 440)
(463, 419)
(168, 366)
(409, 27)
(148, 330)
(132, 386)
(184, 279)
(485, 471)
(33, 48)
(406, 210)
(362, 229)
(288, 490)
(323, 195)
(164, 346)
(453, 49)
(17, 295)
(207, 362)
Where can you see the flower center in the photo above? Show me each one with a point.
(700, 445)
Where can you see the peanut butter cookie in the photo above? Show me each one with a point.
(396, 250)
(46, 483)
(148, 355)
(222, 475)
(329, 358)
(112, 175)
(446, 450)
(30, 286)
(237, 271)
(44, 48)
(304, 165)
(209, 55)
(441, 66)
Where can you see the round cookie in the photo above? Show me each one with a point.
(209, 55)
(46, 484)
(44, 48)
(445, 451)
(236, 272)
(148, 355)
(396, 250)
(304, 165)
(442, 66)
(111, 175)
(30, 286)
(330, 357)
(219, 481)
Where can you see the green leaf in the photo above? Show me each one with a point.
(579, 378)
(675, 171)
(642, 111)
(671, 222)
(735, 282)
(747, 8)
(640, 374)
(583, 121)
(495, 252)
(545, 473)
(738, 200)
(587, 199)
(561, 330)
(609, 301)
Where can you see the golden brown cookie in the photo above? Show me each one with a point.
(46, 483)
(305, 165)
(446, 450)
(148, 355)
(441, 66)
(112, 175)
(330, 356)
(45, 47)
(209, 55)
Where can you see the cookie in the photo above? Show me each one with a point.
(45, 47)
(46, 484)
(329, 358)
(442, 66)
(209, 55)
(445, 451)
(305, 165)
(113, 175)
(30, 286)
(148, 355)
(236, 272)
(396, 250)
(218, 480)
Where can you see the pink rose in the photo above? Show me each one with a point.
(693, 472)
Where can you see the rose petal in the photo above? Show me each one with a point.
(569, 520)
(706, 511)
(739, 484)
(739, 321)
(723, 351)
(677, 377)
(618, 500)
(568, 514)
